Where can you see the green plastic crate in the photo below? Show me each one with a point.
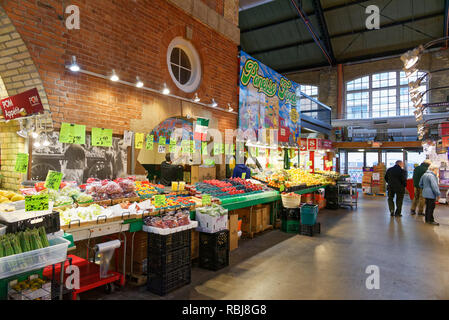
(19, 277)
(290, 226)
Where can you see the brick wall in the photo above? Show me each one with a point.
(130, 37)
(326, 78)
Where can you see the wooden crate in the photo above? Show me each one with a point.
(195, 247)
(233, 232)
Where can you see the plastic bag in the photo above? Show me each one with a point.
(113, 188)
(127, 185)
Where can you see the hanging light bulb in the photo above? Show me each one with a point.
(114, 77)
(214, 104)
(196, 98)
(37, 144)
(139, 83)
(165, 91)
(74, 67)
(22, 132)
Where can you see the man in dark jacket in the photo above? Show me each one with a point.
(418, 200)
(396, 177)
(169, 172)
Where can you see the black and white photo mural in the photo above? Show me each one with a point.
(79, 162)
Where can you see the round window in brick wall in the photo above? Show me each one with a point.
(184, 64)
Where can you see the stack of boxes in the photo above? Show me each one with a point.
(367, 180)
(378, 185)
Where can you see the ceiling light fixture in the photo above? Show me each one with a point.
(411, 57)
(37, 144)
(114, 77)
(196, 98)
(230, 108)
(139, 83)
(74, 67)
(46, 143)
(165, 91)
(214, 104)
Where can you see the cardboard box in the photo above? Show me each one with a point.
(256, 219)
(233, 231)
(199, 174)
(195, 247)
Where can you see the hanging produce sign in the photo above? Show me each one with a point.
(149, 142)
(311, 144)
(172, 148)
(101, 137)
(53, 180)
(206, 200)
(127, 138)
(139, 139)
(21, 163)
(72, 133)
(204, 147)
(22, 105)
(162, 140)
(268, 100)
(160, 201)
(37, 202)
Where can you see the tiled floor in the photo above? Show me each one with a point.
(413, 259)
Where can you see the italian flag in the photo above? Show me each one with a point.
(201, 127)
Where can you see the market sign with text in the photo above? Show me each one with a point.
(22, 105)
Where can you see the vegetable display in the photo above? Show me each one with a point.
(170, 220)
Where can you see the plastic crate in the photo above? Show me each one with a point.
(170, 242)
(308, 230)
(163, 284)
(35, 259)
(308, 214)
(51, 222)
(292, 214)
(214, 250)
(290, 225)
(163, 263)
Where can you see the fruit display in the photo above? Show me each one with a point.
(330, 174)
(227, 188)
(175, 201)
(10, 196)
(170, 220)
(295, 178)
(146, 190)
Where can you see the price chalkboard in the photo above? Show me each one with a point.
(206, 200)
(101, 137)
(53, 180)
(37, 202)
(150, 142)
(160, 201)
(21, 163)
(139, 139)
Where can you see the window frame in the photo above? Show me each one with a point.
(371, 89)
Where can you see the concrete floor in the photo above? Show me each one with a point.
(412, 257)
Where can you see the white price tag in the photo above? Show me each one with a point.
(161, 149)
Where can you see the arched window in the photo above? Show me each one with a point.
(381, 95)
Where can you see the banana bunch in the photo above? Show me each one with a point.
(10, 196)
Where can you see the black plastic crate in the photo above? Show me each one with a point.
(290, 213)
(163, 244)
(50, 221)
(163, 284)
(214, 261)
(307, 230)
(214, 250)
(173, 260)
(211, 241)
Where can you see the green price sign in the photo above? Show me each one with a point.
(244, 175)
(72, 133)
(185, 145)
(149, 142)
(172, 148)
(233, 149)
(206, 200)
(281, 188)
(38, 202)
(217, 149)
(21, 163)
(204, 147)
(162, 140)
(160, 201)
(53, 180)
(139, 139)
(101, 137)
(192, 146)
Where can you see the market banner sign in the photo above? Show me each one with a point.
(268, 100)
(22, 105)
(312, 144)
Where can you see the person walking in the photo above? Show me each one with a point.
(418, 200)
(396, 177)
(430, 191)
